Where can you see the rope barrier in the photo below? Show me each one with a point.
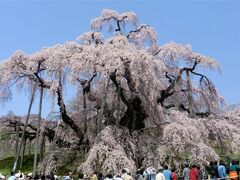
(227, 177)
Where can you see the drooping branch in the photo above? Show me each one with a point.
(169, 91)
(128, 76)
(38, 79)
(49, 132)
(118, 23)
(170, 78)
(31, 134)
(137, 30)
(65, 117)
(144, 33)
(110, 16)
(86, 84)
(190, 95)
(202, 77)
(121, 90)
(86, 90)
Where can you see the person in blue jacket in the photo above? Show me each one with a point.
(167, 173)
(221, 170)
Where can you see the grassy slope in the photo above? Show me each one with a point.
(7, 164)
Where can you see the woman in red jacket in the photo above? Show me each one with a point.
(193, 173)
(174, 174)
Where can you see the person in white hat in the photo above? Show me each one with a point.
(2, 176)
(12, 177)
(125, 174)
(160, 175)
(30, 175)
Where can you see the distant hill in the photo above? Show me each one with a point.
(233, 107)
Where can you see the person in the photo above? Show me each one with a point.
(2, 177)
(212, 170)
(21, 177)
(12, 177)
(29, 176)
(109, 177)
(193, 174)
(94, 176)
(222, 170)
(54, 176)
(186, 172)
(86, 177)
(117, 176)
(234, 170)
(153, 173)
(215, 169)
(160, 175)
(147, 174)
(167, 173)
(49, 177)
(80, 176)
(68, 177)
(42, 177)
(100, 176)
(17, 175)
(174, 174)
(125, 174)
(139, 175)
(200, 173)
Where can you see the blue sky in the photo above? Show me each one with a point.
(211, 27)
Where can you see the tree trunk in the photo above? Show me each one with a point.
(103, 107)
(135, 114)
(53, 144)
(25, 126)
(65, 117)
(29, 148)
(42, 147)
(190, 98)
(85, 111)
(118, 105)
(17, 147)
(37, 136)
(23, 153)
(42, 141)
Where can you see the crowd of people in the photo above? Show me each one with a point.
(213, 170)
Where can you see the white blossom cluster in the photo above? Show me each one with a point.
(199, 136)
(110, 17)
(108, 154)
(174, 52)
(183, 132)
(144, 34)
(90, 37)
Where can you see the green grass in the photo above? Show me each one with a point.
(65, 169)
(6, 165)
